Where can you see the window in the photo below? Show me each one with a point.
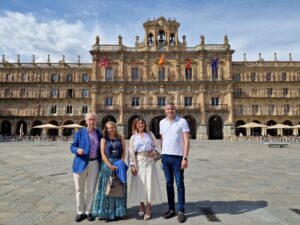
(85, 93)
(188, 101)
(134, 73)
(70, 93)
(269, 91)
(53, 109)
(253, 76)
(285, 91)
(254, 109)
(161, 101)
(84, 109)
(54, 78)
(85, 77)
(108, 74)
(7, 77)
(135, 101)
(54, 93)
(215, 101)
(238, 92)
(269, 77)
(161, 73)
(172, 39)
(237, 77)
(23, 92)
(108, 101)
(239, 109)
(7, 92)
(188, 74)
(69, 109)
(283, 76)
(270, 109)
(286, 109)
(69, 78)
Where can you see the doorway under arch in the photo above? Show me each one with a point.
(154, 125)
(6, 128)
(271, 132)
(106, 119)
(35, 131)
(287, 132)
(68, 131)
(24, 128)
(240, 131)
(215, 128)
(256, 131)
(53, 132)
(192, 125)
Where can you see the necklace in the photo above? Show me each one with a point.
(113, 144)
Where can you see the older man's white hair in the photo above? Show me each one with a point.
(89, 115)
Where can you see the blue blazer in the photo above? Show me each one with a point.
(81, 140)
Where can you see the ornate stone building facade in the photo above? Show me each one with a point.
(213, 93)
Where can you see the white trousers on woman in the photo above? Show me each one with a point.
(144, 186)
(89, 177)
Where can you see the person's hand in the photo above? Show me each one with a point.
(80, 151)
(184, 164)
(152, 153)
(112, 167)
(133, 170)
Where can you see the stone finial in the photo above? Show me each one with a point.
(120, 39)
(63, 59)
(275, 56)
(97, 40)
(245, 58)
(78, 59)
(33, 59)
(137, 38)
(225, 39)
(18, 60)
(259, 57)
(290, 57)
(48, 60)
(3, 58)
(202, 39)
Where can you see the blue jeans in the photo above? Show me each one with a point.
(171, 167)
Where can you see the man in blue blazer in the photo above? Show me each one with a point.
(86, 165)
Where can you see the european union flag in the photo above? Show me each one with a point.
(214, 64)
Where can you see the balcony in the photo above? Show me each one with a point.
(195, 107)
(108, 108)
(217, 108)
(264, 94)
(267, 112)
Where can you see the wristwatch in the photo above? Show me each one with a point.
(184, 158)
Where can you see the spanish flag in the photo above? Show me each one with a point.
(161, 59)
(188, 65)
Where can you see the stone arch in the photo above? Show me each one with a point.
(34, 131)
(6, 128)
(53, 132)
(68, 131)
(271, 132)
(215, 127)
(154, 125)
(106, 119)
(257, 130)
(287, 132)
(24, 128)
(192, 124)
(82, 123)
(239, 131)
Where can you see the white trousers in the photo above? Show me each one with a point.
(89, 177)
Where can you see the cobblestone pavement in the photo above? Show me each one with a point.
(226, 183)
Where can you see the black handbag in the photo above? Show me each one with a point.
(114, 187)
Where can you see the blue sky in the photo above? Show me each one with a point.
(69, 27)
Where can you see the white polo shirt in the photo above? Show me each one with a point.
(172, 133)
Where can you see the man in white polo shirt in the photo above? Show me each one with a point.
(175, 142)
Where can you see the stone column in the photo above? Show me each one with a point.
(94, 98)
(202, 131)
(121, 120)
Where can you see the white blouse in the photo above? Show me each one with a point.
(142, 144)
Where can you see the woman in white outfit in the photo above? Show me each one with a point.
(144, 186)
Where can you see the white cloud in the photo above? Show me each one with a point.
(23, 34)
